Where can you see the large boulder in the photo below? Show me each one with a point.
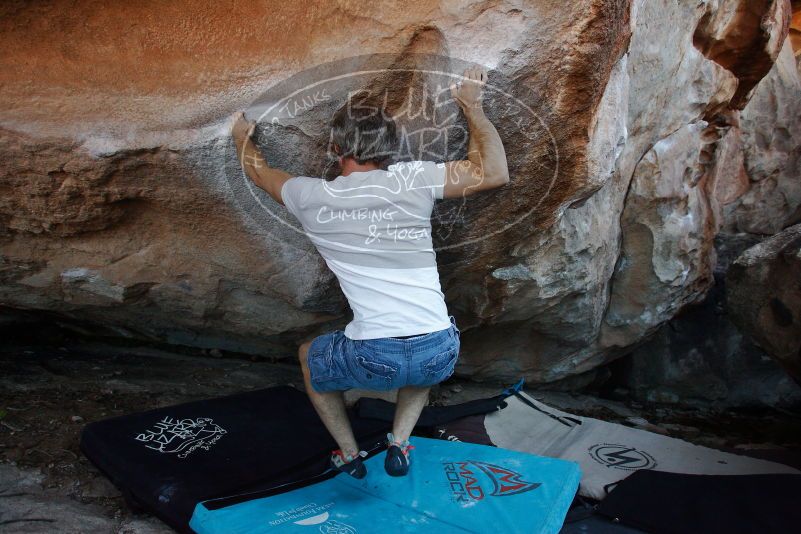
(122, 204)
(764, 296)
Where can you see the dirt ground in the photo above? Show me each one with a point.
(48, 393)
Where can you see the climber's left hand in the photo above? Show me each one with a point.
(241, 128)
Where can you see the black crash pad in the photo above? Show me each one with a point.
(673, 503)
(167, 460)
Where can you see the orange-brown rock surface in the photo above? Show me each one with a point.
(121, 203)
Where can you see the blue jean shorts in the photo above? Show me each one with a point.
(338, 363)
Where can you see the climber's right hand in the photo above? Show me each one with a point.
(469, 91)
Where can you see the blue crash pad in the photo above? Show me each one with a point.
(451, 487)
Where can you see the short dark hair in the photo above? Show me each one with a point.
(364, 133)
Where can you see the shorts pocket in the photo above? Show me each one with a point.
(373, 371)
(440, 366)
(325, 367)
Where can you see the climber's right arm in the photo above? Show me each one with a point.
(485, 166)
(252, 160)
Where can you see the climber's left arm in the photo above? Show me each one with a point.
(252, 160)
(485, 166)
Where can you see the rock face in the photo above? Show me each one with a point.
(700, 357)
(771, 129)
(795, 31)
(764, 296)
(653, 124)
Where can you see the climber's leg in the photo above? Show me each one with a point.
(330, 406)
(411, 401)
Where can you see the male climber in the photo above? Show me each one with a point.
(372, 227)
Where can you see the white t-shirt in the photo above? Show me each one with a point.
(373, 229)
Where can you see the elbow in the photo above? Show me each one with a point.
(491, 178)
(503, 178)
(501, 172)
(498, 180)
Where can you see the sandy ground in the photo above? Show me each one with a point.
(47, 394)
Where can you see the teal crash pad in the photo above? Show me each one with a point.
(451, 487)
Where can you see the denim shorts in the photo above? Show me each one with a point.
(338, 363)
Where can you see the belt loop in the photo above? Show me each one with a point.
(455, 329)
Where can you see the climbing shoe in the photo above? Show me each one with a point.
(348, 464)
(397, 461)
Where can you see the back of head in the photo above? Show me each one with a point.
(364, 133)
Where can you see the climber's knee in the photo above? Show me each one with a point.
(303, 353)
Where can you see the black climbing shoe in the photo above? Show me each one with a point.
(397, 461)
(348, 464)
